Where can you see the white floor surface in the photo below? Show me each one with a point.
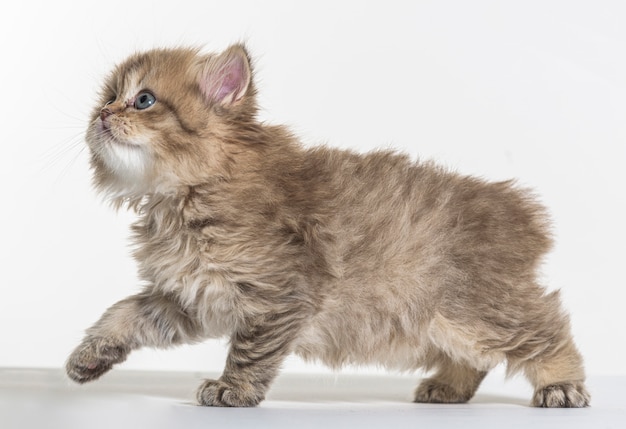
(45, 398)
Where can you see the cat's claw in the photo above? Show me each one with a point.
(93, 358)
(218, 393)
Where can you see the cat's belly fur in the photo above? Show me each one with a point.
(390, 321)
(339, 338)
(335, 344)
(367, 325)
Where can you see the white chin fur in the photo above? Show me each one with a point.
(125, 160)
(129, 165)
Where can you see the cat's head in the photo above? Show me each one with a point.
(167, 118)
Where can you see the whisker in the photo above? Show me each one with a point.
(68, 166)
(62, 156)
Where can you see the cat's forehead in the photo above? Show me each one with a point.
(131, 75)
(153, 67)
(129, 83)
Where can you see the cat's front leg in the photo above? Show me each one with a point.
(146, 319)
(93, 357)
(254, 359)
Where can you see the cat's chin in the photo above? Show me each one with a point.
(126, 182)
(128, 161)
(115, 142)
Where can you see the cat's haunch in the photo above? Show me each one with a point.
(336, 256)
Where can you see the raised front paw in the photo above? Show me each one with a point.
(562, 395)
(219, 393)
(93, 357)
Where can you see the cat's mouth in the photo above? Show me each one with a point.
(109, 139)
(112, 140)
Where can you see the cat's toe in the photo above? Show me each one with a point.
(93, 358)
(562, 395)
(217, 393)
(433, 391)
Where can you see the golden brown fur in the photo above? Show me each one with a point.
(336, 256)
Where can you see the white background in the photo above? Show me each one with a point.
(530, 89)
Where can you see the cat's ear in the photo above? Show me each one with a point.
(225, 78)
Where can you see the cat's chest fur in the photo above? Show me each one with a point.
(175, 259)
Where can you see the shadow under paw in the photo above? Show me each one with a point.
(562, 395)
(93, 358)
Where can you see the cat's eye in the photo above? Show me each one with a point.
(144, 100)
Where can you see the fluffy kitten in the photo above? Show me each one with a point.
(333, 255)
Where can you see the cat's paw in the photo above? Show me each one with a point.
(562, 395)
(433, 391)
(218, 393)
(93, 357)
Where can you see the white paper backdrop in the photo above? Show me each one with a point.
(534, 90)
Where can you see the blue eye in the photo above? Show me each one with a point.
(144, 100)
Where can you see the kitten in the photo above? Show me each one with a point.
(333, 255)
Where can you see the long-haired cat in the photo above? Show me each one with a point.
(336, 256)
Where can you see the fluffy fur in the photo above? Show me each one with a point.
(339, 257)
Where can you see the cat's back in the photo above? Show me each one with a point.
(420, 228)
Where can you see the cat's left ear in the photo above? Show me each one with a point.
(225, 78)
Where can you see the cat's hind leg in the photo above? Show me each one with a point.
(145, 319)
(454, 382)
(558, 377)
(549, 358)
